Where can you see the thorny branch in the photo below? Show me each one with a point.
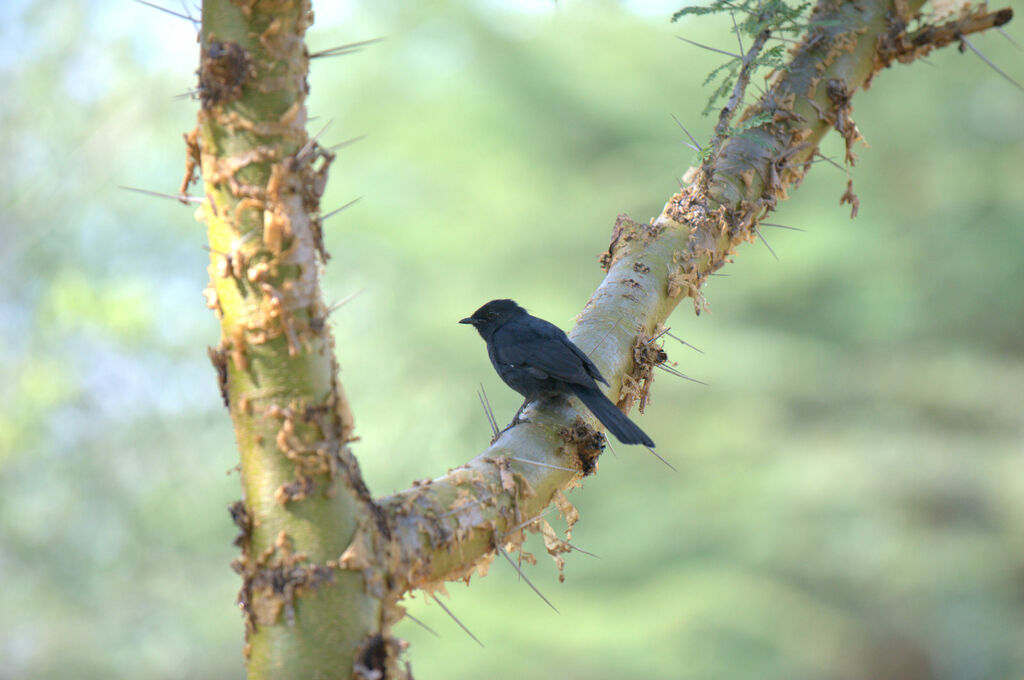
(898, 45)
(444, 529)
(319, 555)
(725, 116)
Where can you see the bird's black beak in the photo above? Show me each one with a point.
(470, 320)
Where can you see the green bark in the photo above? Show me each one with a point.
(302, 492)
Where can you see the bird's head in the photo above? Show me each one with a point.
(492, 315)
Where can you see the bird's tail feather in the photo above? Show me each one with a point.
(624, 429)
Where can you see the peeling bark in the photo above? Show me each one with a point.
(303, 495)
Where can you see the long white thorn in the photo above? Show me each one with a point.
(528, 582)
(456, 619)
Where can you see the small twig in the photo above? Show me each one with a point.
(713, 49)
(425, 626)
(738, 93)
(965, 41)
(736, 28)
(341, 50)
(524, 577)
(456, 619)
(928, 37)
(741, 9)
(181, 198)
(338, 210)
(742, 79)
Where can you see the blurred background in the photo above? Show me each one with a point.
(851, 488)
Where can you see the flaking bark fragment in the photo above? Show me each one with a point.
(583, 445)
(556, 547)
(225, 68)
(219, 359)
(193, 159)
(841, 116)
(243, 520)
(568, 511)
(295, 490)
(636, 385)
(363, 555)
(213, 301)
(851, 198)
(626, 231)
(272, 582)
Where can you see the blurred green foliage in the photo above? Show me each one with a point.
(851, 493)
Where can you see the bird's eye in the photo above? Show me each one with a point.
(492, 315)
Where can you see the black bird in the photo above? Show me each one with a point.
(537, 360)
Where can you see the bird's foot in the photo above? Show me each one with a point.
(518, 417)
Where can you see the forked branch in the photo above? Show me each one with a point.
(324, 566)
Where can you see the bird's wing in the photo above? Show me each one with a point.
(544, 350)
(588, 365)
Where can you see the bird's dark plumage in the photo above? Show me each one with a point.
(537, 360)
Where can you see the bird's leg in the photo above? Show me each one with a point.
(515, 419)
